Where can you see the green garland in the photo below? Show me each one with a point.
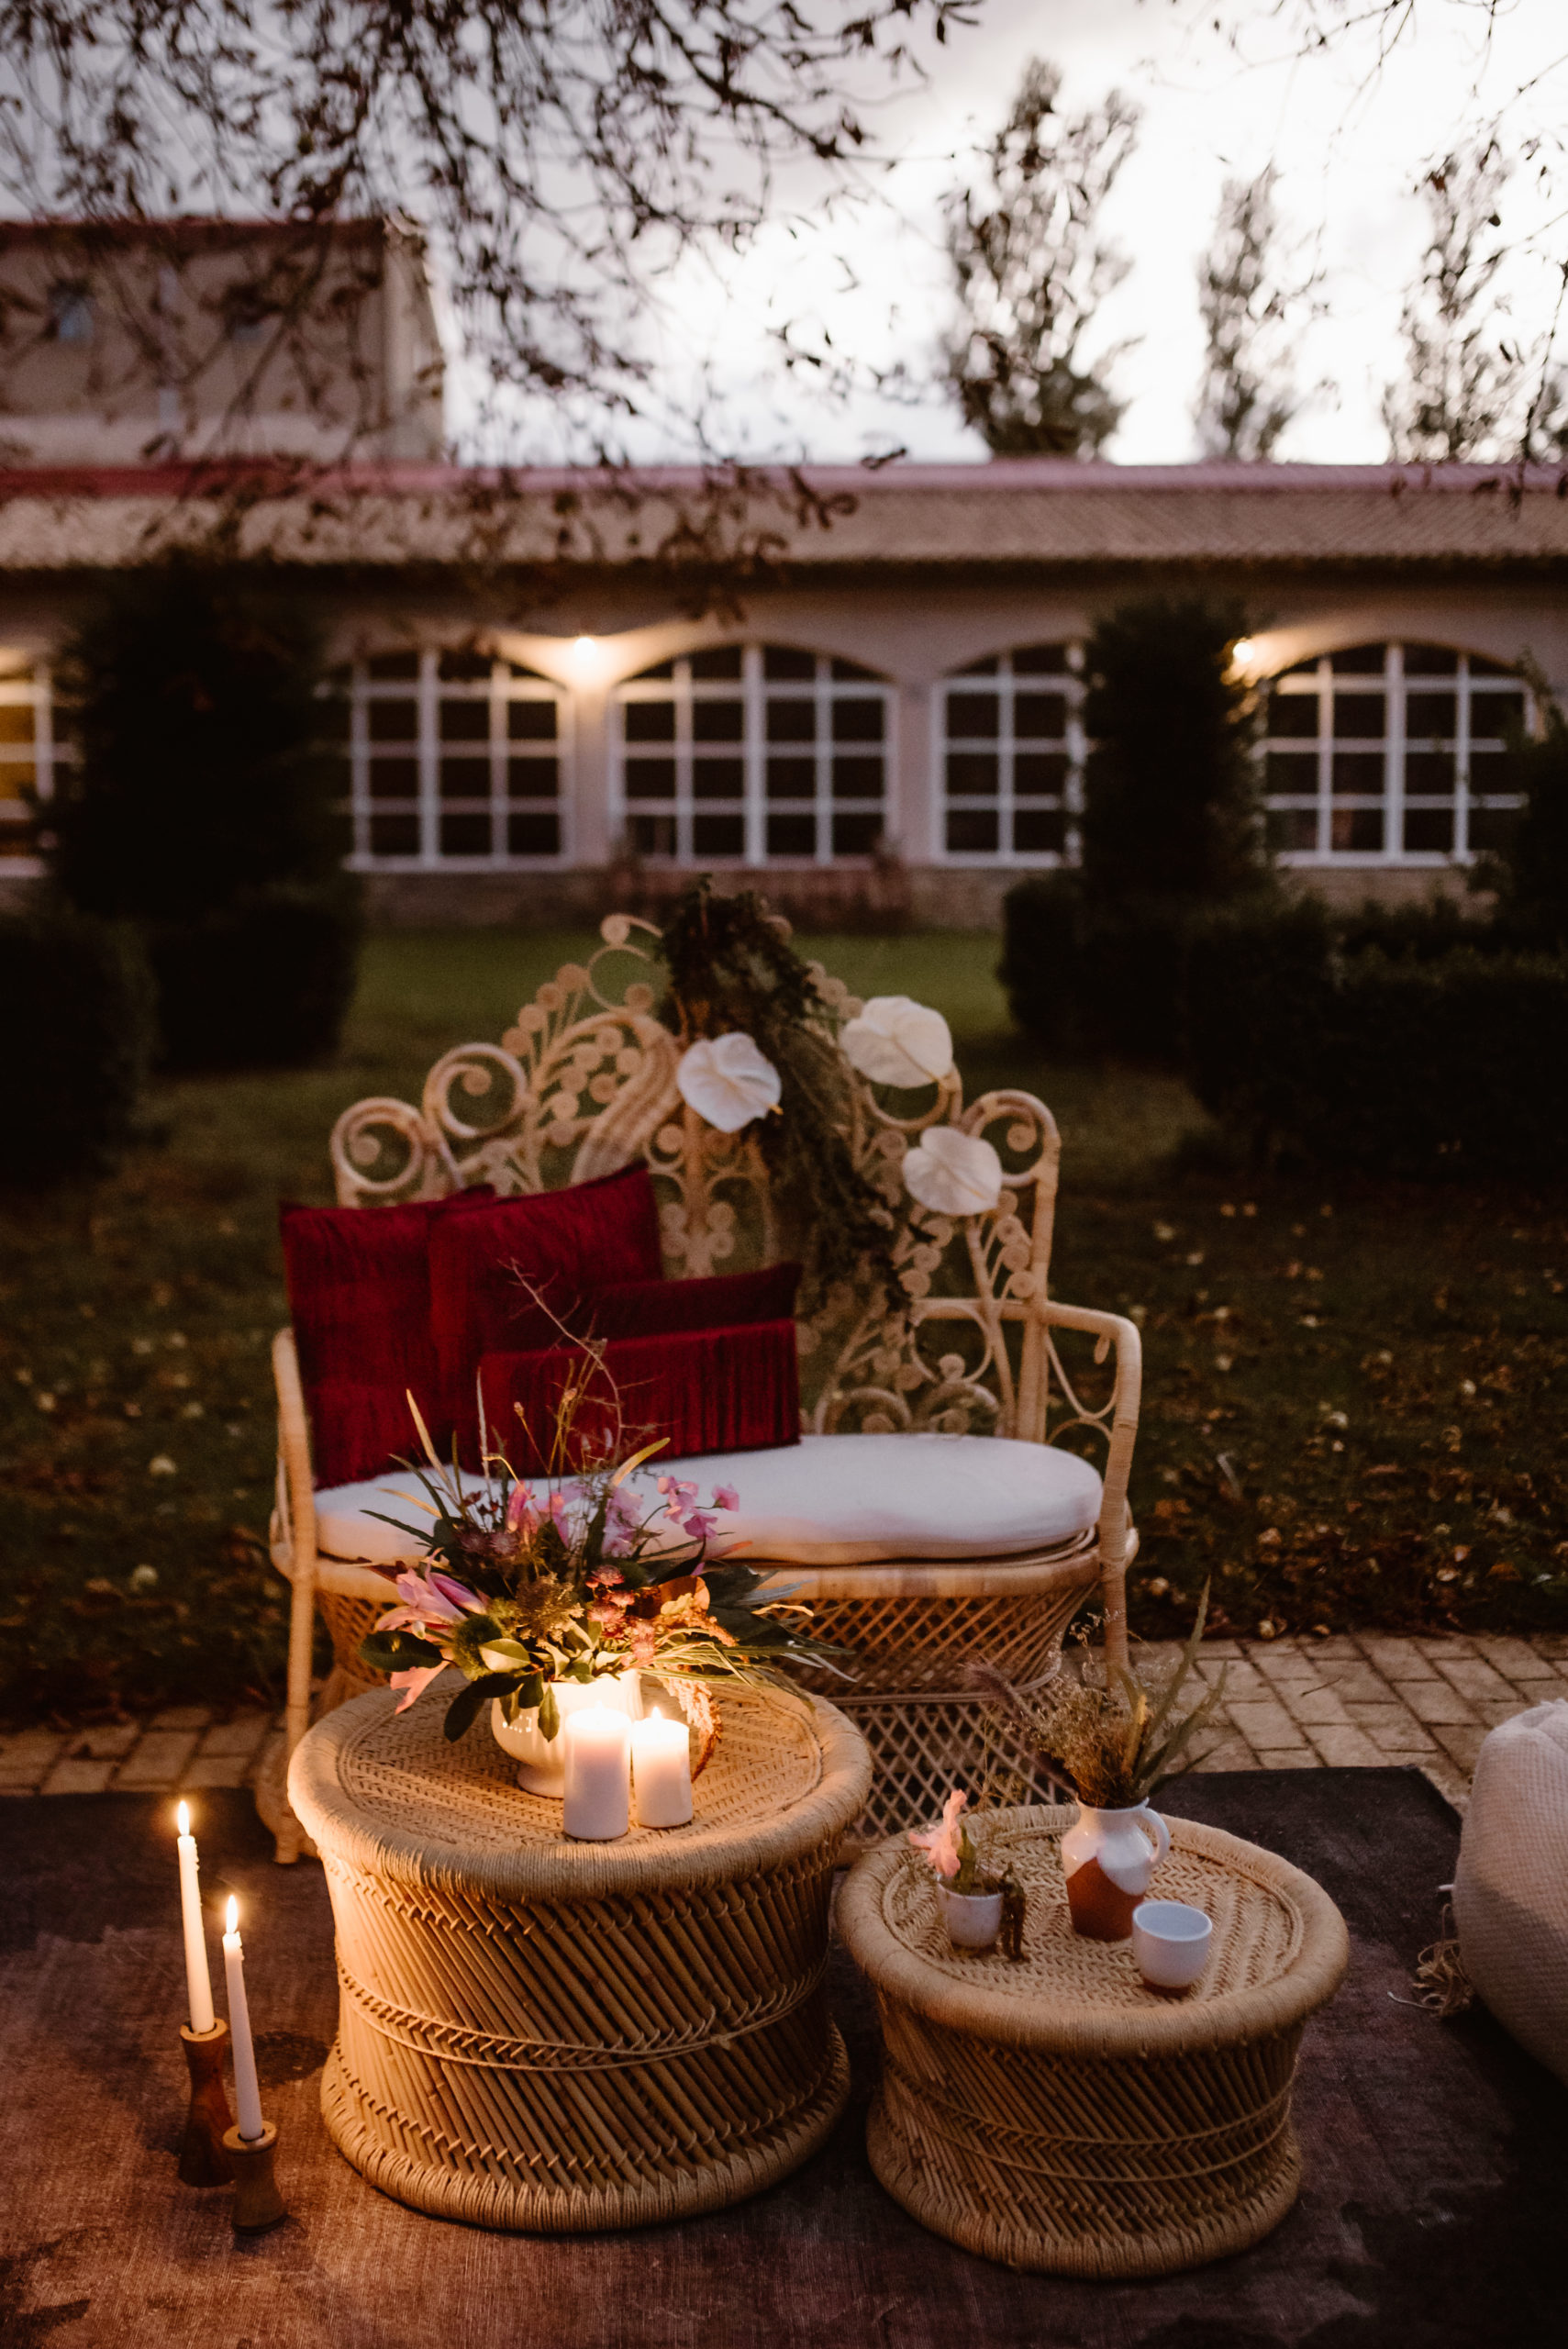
(731, 966)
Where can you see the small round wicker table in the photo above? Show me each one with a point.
(553, 2037)
(1052, 2112)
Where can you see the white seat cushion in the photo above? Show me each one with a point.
(830, 1501)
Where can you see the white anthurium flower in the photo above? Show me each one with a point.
(954, 1173)
(727, 1081)
(896, 1041)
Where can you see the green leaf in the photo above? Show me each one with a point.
(549, 1713)
(467, 1705)
(397, 1651)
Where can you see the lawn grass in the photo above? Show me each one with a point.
(138, 1312)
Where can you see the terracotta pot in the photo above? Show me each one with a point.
(541, 1761)
(973, 1920)
(1107, 1858)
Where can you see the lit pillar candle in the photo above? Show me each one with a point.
(662, 1771)
(598, 1805)
(198, 1981)
(247, 2092)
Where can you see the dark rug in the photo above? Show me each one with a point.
(1437, 2154)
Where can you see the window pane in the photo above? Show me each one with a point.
(533, 835)
(337, 720)
(1039, 831)
(1491, 828)
(392, 668)
(792, 778)
(783, 663)
(16, 776)
(1428, 774)
(719, 779)
(986, 668)
(719, 721)
(718, 835)
(649, 721)
(1292, 716)
(1430, 661)
(856, 835)
(1359, 661)
(1494, 714)
(850, 669)
(1428, 829)
(974, 713)
(395, 779)
(792, 835)
(857, 721)
(651, 778)
(465, 835)
(1481, 667)
(1431, 718)
(1360, 714)
(465, 778)
(395, 835)
(1293, 830)
(857, 778)
(1488, 772)
(393, 721)
(465, 721)
(530, 721)
(718, 661)
(1040, 661)
(1357, 831)
(533, 778)
(1294, 772)
(16, 722)
(1039, 773)
(972, 832)
(464, 668)
(516, 669)
(972, 774)
(791, 721)
(1358, 774)
(1038, 717)
(652, 835)
(659, 669)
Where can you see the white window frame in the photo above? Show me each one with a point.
(1470, 694)
(428, 691)
(22, 816)
(753, 690)
(1005, 744)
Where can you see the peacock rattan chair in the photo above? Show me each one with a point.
(583, 1084)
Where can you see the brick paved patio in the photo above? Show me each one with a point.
(1289, 1705)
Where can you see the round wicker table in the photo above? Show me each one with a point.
(1054, 2114)
(554, 2037)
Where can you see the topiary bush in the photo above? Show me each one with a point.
(76, 1004)
(266, 982)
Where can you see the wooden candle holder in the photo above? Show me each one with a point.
(257, 2202)
(202, 2158)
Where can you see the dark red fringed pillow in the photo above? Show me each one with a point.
(359, 1285)
(703, 1390)
(723, 1301)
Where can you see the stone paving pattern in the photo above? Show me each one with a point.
(1348, 1702)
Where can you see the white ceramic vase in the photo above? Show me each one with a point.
(973, 1920)
(541, 1761)
(1107, 1858)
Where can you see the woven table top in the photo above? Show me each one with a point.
(385, 1791)
(1279, 1948)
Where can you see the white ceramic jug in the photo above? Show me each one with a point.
(1107, 1858)
(541, 1761)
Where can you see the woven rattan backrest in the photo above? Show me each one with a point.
(585, 1082)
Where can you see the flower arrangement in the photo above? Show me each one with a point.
(573, 1577)
(1114, 1740)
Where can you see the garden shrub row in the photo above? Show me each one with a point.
(77, 1008)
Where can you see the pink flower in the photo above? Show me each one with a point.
(644, 1644)
(458, 1594)
(415, 1681)
(940, 1844)
(726, 1496)
(435, 1598)
(521, 1515)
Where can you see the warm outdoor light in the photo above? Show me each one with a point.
(1241, 651)
(584, 655)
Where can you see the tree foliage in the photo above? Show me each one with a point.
(1033, 267)
(1253, 318)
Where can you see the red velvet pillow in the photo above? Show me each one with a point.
(564, 1242)
(703, 1390)
(359, 1285)
(648, 1308)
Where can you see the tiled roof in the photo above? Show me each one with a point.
(1023, 513)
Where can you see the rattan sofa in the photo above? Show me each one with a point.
(584, 1083)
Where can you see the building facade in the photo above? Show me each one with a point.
(854, 689)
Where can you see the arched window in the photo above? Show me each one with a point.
(35, 746)
(454, 759)
(1013, 756)
(1390, 753)
(752, 755)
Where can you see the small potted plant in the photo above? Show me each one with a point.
(974, 1901)
(1116, 1741)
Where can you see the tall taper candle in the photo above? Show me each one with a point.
(198, 1981)
(247, 2092)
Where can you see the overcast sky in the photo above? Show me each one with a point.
(1351, 142)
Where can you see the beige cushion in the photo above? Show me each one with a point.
(1511, 1891)
(828, 1500)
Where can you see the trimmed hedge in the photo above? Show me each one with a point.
(265, 983)
(1084, 979)
(76, 1003)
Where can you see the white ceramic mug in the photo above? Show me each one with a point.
(1171, 1943)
